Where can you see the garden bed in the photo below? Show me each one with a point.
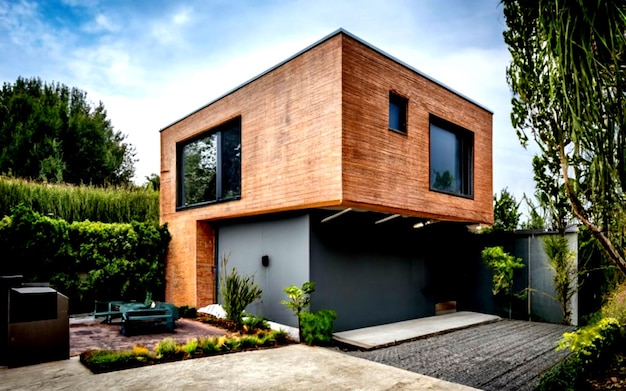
(103, 349)
(168, 350)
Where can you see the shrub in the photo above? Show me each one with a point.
(562, 261)
(591, 346)
(187, 312)
(317, 327)
(167, 348)
(99, 361)
(591, 342)
(230, 344)
(249, 341)
(208, 345)
(237, 293)
(503, 266)
(191, 346)
(251, 323)
(86, 261)
(274, 337)
(299, 300)
(565, 376)
(615, 306)
(141, 351)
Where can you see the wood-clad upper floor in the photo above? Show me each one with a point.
(316, 131)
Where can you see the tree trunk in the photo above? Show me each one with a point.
(579, 212)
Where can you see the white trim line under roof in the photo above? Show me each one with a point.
(390, 217)
(326, 38)
(336, 215)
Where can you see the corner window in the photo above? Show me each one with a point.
(451, 158)
(397, 113)
(209, 166)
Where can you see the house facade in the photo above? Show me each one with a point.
(333, 166)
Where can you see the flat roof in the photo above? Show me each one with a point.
(326, 38)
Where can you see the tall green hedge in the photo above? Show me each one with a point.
(86, 261)
(79, 203)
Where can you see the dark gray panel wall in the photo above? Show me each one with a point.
(381, 273)
(286, 241)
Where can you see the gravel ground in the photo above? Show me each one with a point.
(505, 355)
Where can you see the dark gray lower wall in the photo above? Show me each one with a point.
(285, 240)
(373, 274)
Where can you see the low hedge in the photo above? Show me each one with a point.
(86, 261)
(167, 350)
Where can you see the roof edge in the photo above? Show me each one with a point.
(413, 69)
(315, 44)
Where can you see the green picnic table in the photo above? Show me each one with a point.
(135, 316)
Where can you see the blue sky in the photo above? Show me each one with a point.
(152, 62)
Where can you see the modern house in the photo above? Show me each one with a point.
(333, 167)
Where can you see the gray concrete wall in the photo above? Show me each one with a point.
(286, 241)
(541, 299)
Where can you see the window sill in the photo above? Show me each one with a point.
(207, 203)
(404, 133)
(468, 196)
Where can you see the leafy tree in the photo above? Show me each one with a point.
(551, 194)
(51, 132)
(502, 266)
(568, 75)
(506, 213)
(153, 182)
(536, 216)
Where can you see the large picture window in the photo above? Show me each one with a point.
(209, 166)
(451, 158)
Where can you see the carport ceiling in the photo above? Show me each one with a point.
(381, 218)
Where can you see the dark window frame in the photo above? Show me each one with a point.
(218, 131)
(402, 104)
(465, 138)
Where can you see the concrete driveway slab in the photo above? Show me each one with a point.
(376, 337)
(293, 367)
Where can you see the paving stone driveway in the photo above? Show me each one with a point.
(505, 355)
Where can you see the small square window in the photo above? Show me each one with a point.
(397, 113)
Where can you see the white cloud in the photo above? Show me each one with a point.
(182, 16)
(103, 23)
